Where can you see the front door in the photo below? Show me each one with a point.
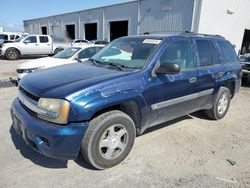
(30, 46)
(173, 95)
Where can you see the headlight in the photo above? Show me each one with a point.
(32, 70)
(57, 110)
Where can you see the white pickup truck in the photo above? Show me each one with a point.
(31, 45)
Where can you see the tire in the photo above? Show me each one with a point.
(12, 54)
(57, 51)
(221, 104)
(104, 148)
(244, 80)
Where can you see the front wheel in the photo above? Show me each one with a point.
(12, 54)
(221, 104)
(108, 139)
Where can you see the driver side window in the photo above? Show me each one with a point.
(179, 52)
(31, 39)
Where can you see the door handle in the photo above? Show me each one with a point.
(220, 74)
(192, 80)
(36, 44)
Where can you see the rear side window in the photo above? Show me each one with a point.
(179, 52)
(43, 39)
(205, 54)
(227, 52)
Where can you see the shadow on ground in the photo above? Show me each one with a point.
(199, 114)
(26, 57)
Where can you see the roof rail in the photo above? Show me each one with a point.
(200, 34)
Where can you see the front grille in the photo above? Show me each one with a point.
(28, 110)
(28, 94)
(19, 71)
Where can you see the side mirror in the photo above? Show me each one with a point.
(168, 68)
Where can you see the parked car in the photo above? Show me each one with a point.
(31, 45)
(79, 42)
(68, 55)
(97, 108)
(7, 37)
(100, 42)
(245, 62)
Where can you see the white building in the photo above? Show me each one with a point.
(229, 18)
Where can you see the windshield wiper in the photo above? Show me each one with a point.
(121, 67)
(96, 62)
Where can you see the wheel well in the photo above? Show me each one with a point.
(230, 84)
(12, 48)
(129, 108)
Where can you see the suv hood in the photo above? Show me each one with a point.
(61, 81)
(43, 62)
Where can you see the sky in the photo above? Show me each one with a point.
(12, 13)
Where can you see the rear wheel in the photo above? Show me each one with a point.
(57, 51)
(108, 140)
(221, 104)
(12, 54)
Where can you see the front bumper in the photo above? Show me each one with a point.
(55, 141)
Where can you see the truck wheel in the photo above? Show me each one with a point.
(221, 104)
(57, 50)
(108, 139)
(12, 54)
(244, 80)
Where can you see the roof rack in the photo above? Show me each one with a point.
(200, 34)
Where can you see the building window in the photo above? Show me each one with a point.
(166, 4)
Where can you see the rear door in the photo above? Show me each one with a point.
(209, 68)
(45, 45)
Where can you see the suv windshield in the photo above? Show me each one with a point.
(67, 53)
(127, 52)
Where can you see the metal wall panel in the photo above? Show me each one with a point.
(215, 19)
(143, 16)
(176, 19)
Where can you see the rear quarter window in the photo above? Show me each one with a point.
(227, 53)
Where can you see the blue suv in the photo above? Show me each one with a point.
(98, 107)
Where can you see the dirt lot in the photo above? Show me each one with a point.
(188, 152)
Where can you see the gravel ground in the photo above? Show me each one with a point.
(188, 152)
